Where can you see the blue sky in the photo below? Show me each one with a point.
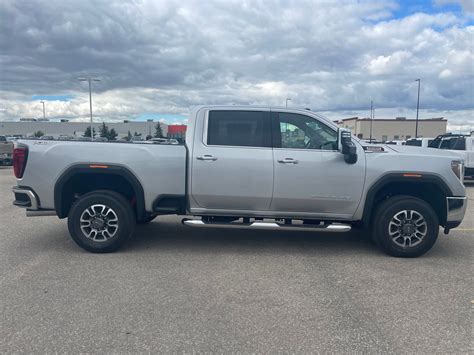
(407, 7)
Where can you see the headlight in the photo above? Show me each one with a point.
(458, 169)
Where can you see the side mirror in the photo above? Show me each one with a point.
(348, 148)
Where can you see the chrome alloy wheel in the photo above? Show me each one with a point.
(99, 223)
(407, 228)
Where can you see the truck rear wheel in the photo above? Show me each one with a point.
(101, 221)
(405, 226)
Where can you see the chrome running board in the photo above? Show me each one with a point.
(40, 213)
(334, 227)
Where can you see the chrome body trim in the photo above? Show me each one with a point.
(31, 196)
(339, 227)
(40, 213)
(455, 208)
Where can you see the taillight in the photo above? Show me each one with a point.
(20, 155)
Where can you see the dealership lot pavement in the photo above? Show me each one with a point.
(218, 290)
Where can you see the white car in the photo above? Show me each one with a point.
(419, 142)
(395, 142)
(161, 141)
(463, 145)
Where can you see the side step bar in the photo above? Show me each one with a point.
(40, 213)
(334, 227)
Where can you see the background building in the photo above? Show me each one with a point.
(77, 129)
(399, 128)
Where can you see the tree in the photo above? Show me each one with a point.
(148, 137)
(112, 135)
(128, 137)
(87, 133)
(38, 134)
(104, 130)
(158, 131)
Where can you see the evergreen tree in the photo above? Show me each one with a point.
(158, 131)
(104, 131)
(38, 134)
(87, 133)
(112, 135)
(128, 137)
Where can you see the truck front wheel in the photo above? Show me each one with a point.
(101, 221)
(405, 226)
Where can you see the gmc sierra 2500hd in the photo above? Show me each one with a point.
(248, 167)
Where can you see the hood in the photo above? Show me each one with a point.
(424, 151)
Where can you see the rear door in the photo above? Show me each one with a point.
(311, 176)
(232, 161)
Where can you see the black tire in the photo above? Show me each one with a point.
(421, 240)
(122, 217)
(146, 219)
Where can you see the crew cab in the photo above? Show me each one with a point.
(245, 167)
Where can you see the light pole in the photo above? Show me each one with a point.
(286, 104)
(371, 119)
(44, 112)
(417, 108)
(90, 80)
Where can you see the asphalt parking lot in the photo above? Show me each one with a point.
(177, 289)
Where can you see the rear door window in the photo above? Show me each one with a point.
(239, 128)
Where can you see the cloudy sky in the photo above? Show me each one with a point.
(156, 59)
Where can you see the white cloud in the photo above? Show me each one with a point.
(156, 56)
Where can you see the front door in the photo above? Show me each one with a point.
(311, 176)
(232, 163)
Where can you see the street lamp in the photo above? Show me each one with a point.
(90, 80)
(44, 112)
(417, 108)
(371, 119)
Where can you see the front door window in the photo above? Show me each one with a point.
(302, 132)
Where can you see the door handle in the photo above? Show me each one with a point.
(288, 161)
(206, 157)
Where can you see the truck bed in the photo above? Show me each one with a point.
(161, 169)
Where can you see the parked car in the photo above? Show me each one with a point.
(156, 141)
(247, 167)
(6, 151)
(161, 141)
(65, 137)
(100, 139)
(395, 142)
(419, 142)
(460, 144)
(371, 141)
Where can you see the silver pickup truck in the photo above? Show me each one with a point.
(247, 167)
